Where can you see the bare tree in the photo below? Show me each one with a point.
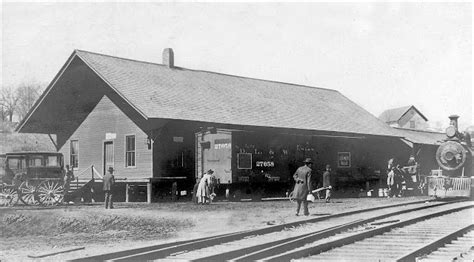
(27, 95)
(3, 112)
(8, 101)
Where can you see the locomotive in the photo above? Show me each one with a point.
(455, 159)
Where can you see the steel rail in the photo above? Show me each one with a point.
(162, 253)
(278, 247)
(125, 253)
(426, 249)
(163, 250)
(310, 251)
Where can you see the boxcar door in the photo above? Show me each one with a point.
(218, 156)
(108, 155)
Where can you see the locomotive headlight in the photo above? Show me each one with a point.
(451, 131)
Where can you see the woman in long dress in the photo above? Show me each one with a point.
(203, 191)
(195, 189)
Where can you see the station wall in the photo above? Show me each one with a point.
(107, 123)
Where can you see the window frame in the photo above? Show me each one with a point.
(134, 151)
(76, 156)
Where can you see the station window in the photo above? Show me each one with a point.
(74, 154)
(412, 124)
(129, 151)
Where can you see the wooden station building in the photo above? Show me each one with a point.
(158, 123)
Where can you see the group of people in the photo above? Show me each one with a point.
(396, 179)
(203, 191)
(303, 185)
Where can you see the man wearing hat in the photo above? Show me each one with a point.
(302, 188)
(109, 182)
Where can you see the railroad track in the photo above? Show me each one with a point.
(335, 237)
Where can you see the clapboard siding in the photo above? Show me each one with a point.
(106, 117)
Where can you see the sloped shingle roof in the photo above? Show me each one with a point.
(421, 137)
(176, 93)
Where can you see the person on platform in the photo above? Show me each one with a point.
(203, 191)
(195, 189)
(302, 187)
(68, 177)
(327, 182)
(109, 182)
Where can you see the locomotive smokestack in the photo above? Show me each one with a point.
(453, 120)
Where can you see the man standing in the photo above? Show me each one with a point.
(327, 182)
(109, 182)
(68, 177)
(302, 188)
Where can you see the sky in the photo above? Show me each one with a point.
(380, 55)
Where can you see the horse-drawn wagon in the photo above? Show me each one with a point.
(32, 178)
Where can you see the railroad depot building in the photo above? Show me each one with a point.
(156, 124)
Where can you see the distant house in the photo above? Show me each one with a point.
(408, 117)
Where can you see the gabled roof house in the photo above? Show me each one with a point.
(408, 117)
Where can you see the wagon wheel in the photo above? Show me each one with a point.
(50, 193)
(8, 196)
(27, 193)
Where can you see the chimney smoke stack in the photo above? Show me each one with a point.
(168, 57)
(454, 121)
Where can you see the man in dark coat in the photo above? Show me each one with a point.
(68, 177)
(327, 182)
(302, 188)
(109, 182)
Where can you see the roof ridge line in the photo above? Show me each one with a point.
(211, 72)
(418, 130)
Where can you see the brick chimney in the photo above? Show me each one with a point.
(168, 57)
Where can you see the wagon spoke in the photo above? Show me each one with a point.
(8, 196)
(27, 194)
(50, 193)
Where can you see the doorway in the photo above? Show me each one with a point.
(108, 155)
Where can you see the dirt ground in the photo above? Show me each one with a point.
(33, 231)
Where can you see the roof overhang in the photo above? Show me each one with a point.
(69, 98)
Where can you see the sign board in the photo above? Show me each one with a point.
(222, 143)
(265, 164)
(109, 136)
(244, 161)
(343, 159)
(178, 139)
